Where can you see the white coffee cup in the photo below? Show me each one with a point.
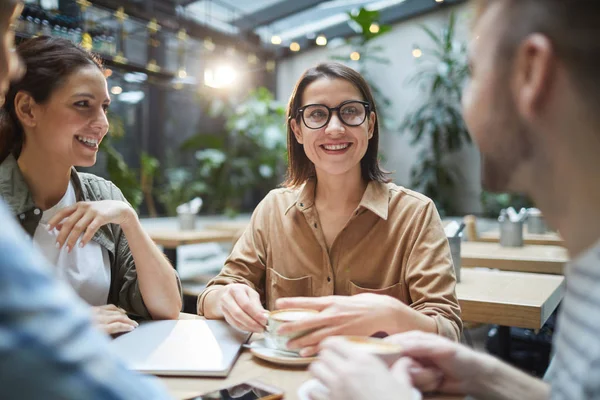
(277, 318)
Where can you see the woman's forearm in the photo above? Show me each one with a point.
(212, 299)
(156, 277)
(405, 319)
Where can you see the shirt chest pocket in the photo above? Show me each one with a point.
(396, 291)
(278, 286)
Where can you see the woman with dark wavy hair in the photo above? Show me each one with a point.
(53, 119)
(339, 237)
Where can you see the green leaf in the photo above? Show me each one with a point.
(200, 141)
(432, 35)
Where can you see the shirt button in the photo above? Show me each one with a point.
(36, 211)
(328, 279)
(22, 216)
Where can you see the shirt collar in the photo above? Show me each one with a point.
(306, 196)
(375, 199)
(15, 191)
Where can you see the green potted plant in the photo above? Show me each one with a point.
(238, 165)
(437, 122)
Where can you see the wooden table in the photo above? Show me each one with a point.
(516, 299)
(247, 368)
(228, 226)
(529, 258)
(170, 239)
(546, 239)
(173, 238)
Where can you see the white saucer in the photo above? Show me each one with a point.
(320, 392)
(260, 350)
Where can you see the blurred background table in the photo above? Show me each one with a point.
(171, 239)
(529, 258)
(545, 239)
(518, 299)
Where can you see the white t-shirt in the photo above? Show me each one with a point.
(87, 269)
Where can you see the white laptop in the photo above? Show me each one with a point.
(182, 348)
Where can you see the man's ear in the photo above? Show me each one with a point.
(24, 108)
(297, 131)
(535, 64)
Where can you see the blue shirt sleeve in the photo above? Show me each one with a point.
(48, 346)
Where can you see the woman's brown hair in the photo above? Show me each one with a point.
(49, 62)
(300, 168)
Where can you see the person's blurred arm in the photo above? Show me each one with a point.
(350, 374)
(48, 346)
(453, 368)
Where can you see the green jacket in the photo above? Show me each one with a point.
(124, 289)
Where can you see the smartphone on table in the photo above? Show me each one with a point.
(251, 390)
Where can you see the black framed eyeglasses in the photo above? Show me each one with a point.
(350, 112)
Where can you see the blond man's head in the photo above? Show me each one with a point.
(526, 56)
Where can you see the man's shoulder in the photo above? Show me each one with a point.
(575, 372)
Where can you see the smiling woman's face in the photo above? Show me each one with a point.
(72, 123)
(10, 65)
(336, 148)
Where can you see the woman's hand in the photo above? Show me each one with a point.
(86, 217)
(362, 314)
(242, 309)
(112, 319)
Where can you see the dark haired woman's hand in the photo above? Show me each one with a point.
(112, 319)
(86, 217)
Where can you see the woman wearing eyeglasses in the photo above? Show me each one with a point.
(338, 237)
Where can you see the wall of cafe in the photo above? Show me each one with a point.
(392, 79)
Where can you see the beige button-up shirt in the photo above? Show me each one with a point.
(394, 244)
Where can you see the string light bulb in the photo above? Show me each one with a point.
(321, 40)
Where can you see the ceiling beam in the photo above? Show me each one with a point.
(167, 18)
(390, 15)
(185, 3)
(273, 13)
